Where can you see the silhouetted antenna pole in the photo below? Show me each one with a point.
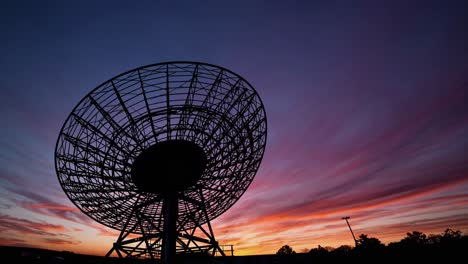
(346, 219)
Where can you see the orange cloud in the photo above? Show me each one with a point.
(24, 226)
(60, 242)
(52, 206)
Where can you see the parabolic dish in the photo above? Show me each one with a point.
(209, 106)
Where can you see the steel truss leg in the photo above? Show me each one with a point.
(197, 241)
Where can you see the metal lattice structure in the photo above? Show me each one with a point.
(201, 104)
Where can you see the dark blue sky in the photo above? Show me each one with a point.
(366, 105)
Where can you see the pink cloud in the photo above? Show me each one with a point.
(24, 226)
(50, 206)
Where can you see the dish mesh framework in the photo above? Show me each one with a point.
(202, 103)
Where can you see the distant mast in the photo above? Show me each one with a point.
(346, 219)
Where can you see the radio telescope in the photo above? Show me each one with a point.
(159, 151)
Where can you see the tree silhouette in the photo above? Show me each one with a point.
(320, 253)
(415, 237)
(452, 241)
(285, 250)
(368, 243)
(449, 234)
(344, 249)
(413, 241)
(446, 247)
(342, 252)
(433, 239)
(414, 244)
(369, 247)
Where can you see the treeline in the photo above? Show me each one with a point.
(416, 246)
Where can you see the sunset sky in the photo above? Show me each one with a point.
(367, 107)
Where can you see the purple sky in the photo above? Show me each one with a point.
(366, 104)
